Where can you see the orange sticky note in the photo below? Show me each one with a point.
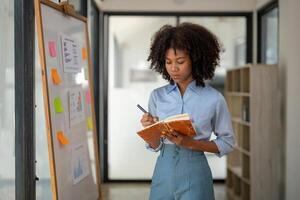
(61, 138)
(84, 53)
(90, 123)
(55, 76)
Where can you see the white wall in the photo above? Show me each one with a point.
(176, 5)
(261, 3)
(289, 46)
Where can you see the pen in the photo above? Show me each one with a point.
(141, 108)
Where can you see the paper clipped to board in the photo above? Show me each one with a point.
(76, 106)
(180, 123)
(79, 162)
(70, 54)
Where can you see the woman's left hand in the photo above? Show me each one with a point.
(177, 138)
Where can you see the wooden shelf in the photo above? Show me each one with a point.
(237, 170)
(233, 196)
(238, 94)
(255, 120)
(238, 120)
(243, 151)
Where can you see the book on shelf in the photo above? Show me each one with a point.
(179, 123)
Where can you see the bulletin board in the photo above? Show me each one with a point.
(68, 101)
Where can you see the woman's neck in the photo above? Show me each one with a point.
(183, 85)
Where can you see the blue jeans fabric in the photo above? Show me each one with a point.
(181, 174)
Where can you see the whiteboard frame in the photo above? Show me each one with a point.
(39, 25)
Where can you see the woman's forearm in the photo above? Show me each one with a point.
(155, 144)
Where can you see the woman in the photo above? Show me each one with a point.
(186, 56)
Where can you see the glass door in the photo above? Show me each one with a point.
(130, 83)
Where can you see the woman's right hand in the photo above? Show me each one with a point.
(148, 120)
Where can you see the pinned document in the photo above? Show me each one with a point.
(62, 138)
(58, 105)
(55, 76)
(84, 53)
(76, 105)
(79, 163)
(52, 48)
(90, 123)
(70, 55)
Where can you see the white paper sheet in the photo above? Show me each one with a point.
(80, 168)
(76, 106)
(71, 55)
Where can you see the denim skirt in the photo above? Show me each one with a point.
(181, 174)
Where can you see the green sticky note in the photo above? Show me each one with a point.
(90, 123)
(58, 105)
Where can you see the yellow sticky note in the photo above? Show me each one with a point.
(90, 123)
(58, 105)
(84, 53)
(55, 76)
(61, 138)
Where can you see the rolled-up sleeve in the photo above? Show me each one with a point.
(152, 111)
(222, 127)
(157, 149)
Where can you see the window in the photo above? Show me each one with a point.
(43, 186)
(7, 101)
(268, 34)
(130, 82)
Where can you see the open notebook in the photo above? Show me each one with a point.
(180, 123)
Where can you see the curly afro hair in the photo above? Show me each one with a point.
(200, 44)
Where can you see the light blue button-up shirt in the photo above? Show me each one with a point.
(206, 107)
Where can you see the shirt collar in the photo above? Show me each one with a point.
(192, 85)
(171, 87)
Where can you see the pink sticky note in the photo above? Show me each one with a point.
(88, 97)
(52, 48)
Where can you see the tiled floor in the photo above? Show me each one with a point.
(111, 191)
(140, 191)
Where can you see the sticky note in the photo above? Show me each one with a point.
(58, 105)
(88, 97)
(90, 123)
(84, 53)
(61, 138)
(52, 48)
(55, 76)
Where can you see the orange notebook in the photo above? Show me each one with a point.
(180, 123)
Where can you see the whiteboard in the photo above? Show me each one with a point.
(69, 105)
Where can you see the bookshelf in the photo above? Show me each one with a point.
(254, 167)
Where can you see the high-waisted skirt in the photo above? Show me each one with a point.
(181, 174)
